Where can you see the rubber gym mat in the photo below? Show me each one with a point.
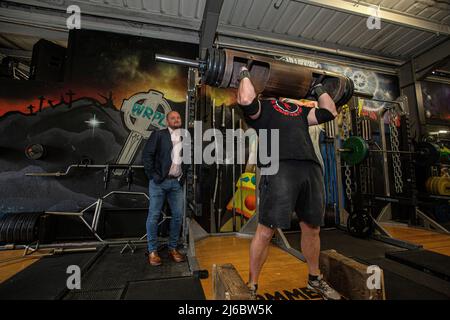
(424, 260)
(186, 288)
(405, 283)
(347, 245)
(44, 279)
(114, 270)
(113, 294)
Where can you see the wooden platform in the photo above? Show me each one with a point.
(430, 240)
(11, 267)
(283, 276)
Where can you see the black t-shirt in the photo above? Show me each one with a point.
(291, 121)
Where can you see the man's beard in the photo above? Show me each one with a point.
(177, 126)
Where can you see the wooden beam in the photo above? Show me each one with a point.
(349, 277)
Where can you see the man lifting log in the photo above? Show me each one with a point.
(298, 185)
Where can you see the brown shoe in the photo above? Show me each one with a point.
(154, 259)
(176, 256)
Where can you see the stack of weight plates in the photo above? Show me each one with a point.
(438, 185)
(19, 228)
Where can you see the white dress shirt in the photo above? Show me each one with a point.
(175, 168)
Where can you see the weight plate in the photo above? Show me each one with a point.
(23, 229)
(330, 217)
(358, 150)
(11, 226)
(32, 228)
(209, 65)
(359, 224)
(443, 186)
(215, 73)
(18, 228)
(222, 64)
(3, 224)
(348, 93)
(35, 151)
(28, 229)
(434, 183)
(427, 154)
(430, 181)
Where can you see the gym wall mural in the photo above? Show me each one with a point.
(101, 113)
(101, 108)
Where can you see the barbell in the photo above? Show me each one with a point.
(355, 150)
(270, 77)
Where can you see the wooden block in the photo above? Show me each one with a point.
(228, 284)
(349, 277)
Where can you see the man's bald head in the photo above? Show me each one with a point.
(173, 119)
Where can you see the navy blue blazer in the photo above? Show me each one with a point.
(156, 156)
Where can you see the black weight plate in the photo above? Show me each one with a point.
(11, 226)
(3, 224)
(216, 66)
(221, 67)
(29, 229)
(25, 227)
(32, 227)
(330, 217)
(359, 224)
(427, 154)
(209, 65)
(18, 228)
(35, 151)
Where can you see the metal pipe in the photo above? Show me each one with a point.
(376, 150)
(296, 44)
(83, 166)
(233, 170)
(72, 244)
(176, 60)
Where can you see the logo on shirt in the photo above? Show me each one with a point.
(288, 109)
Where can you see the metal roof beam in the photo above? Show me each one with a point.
(209, 25)
(432, 59)
(267, 37)
(16, 53)
(364, 10)
(38, 21)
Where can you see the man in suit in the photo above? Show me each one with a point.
(162, 161)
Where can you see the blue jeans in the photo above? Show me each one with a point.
(171, 189)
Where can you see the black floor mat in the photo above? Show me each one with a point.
(424, 260)
(44, 279)
(113, 271)
(186, 288)
(347, 245)
(405, 283)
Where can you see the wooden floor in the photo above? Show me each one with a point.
(430, 240)
(12, 262)
(282, 274)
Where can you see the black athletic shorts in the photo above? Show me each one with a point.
(298, 186)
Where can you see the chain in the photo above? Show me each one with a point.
(362, 168)
(347, 171)
(412, 171)
(396, 162)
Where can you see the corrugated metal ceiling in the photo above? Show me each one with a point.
(294, 20)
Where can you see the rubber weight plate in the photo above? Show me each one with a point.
(358, 150)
